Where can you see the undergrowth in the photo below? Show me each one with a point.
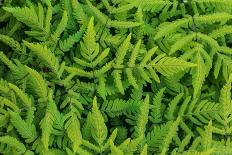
(117, 77)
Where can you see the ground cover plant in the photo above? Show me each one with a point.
(118, 77)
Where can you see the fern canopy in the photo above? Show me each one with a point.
(115, 77)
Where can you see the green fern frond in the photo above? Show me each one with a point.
(79, 13)
(98, 128)
(45, 55)
(22, 95)
(72, 127)
(119, 107)
(8, 103)
(156, 110)
(68, 43)
(27, 131)
(161, 142)
(166, 29)
(142, 118)
(172, 107)
(171, 65)
(183, 41)
(15, 45)
(60, 28)
(27, 15)
(47, 122)
(110, 23)
(13, 143)
(212, 18)
(225, 99)
(37, 83)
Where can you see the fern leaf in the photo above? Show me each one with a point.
(27, 131)
(119, 107)
(98, 128)
(142, 118)
(67, 44)
(172, 107)
(171, 65)
(199, 74)
(122, 24)
(23, 96)
(144, 151)
(156, 110)
(167, 28)
(45, 55)
(160, 142)
(47, 122)
(27, 15)
(212, 18)
(78, 12)
(181, 43)
(12, 43)
(13, 143)
(225, 99)
(37, 83)
(9, 104)
(220, 32)
(60, 28)
(122, 51)
(72, 127)
(115, 150)
(117, 79)
(110, 23)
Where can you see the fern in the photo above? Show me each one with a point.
(73, 129)
(98, 127)
(115, 77)
(27, 131)
(11, 142)
(45, 55)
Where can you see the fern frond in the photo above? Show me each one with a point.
(45, 55)
(154, 6)
(220, 32)
(170, 65)
(60, 28)
(144, 151)
(122, 51)
(78, 12)
(22, 95)
(172, 107)
(13, 143)
(119, 107)
(110, 23)
(27, 131)
(212, 18)
(40, 26)
(156, 110)
(142, 118)
(198, 74)
(68, 43)
(47, 122)
(6, 102)
(27, 15)
(160, 142)
(98, 128)
(166, 29)
(225, 100)
(115, 150)
(15, 45)
(179, 44)
(122, 24)
(37, 83)
(72, 127)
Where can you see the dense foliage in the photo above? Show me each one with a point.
(117, 77)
